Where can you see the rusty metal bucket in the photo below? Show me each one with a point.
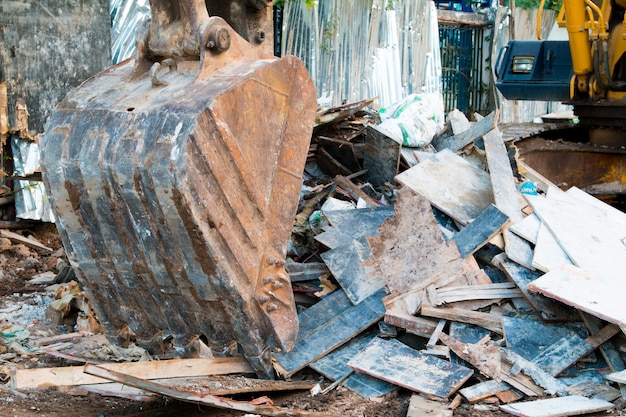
(175, 182)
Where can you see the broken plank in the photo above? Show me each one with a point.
(480, 231)
(541, 377)
(43, 341)
(455, 186)
(420, 407)
(487, 358)
(347, 225)
(619, 377)
(484, 390)
(461, 140)
(548, 309)
(347, 266)
(355, 191)
(557, 407)
(31, 243)
(74, 375)
(214, 401)
(447, 295)
(335, 333)
(485, 320)
(598, 296)
(305, 271)
(394, 362)
(608, 349)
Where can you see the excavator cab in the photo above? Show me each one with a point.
(175, 176)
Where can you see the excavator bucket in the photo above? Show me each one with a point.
(175, 178)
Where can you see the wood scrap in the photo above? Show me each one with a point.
(487, 358)
(461, 140)
(557, 407)
(448, 295)
(477, 318)
(420, 407)
(381, 157)
(484, 390)
(31, 243)
(527, 228)
(356, 192)
(480, 231)
(214, 401)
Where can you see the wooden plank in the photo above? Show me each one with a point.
(420, 407)
(368, 386)
(305, 271)
(619, 377)
(347, 225)
(568, 350)
(461, 140)
(394, 362)
(413, 238)
(548, 254)
(506, 196)
(31, 243)
(557, 407)
(322, 312)
(602, 297)
(548, 309)
(448, 295)
(73, 375)
(484, 390)
(480, 231)
(347, 266)
(334, 334)
(381, 157)
(527, 228)
(341, 150)
(477, 318)
(455, 186)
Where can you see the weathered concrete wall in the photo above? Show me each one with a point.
(48, 47)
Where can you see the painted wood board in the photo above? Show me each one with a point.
(546, 380)
(347, 225)
(394, 362)
(455, 186)
(449, 295)
(420, 407)
(600, 296)
(528, 335)
(308, 271)
(322, 312)
(547, 308)
(548, 253)
(381, 157)
(334, 366)
(346, 265)
(527, 228)
(557, 407)
(568, 350)
(477, 318)
(484, 390)
(589, 240)
(614, 217)
(461, 140)
(619, 377)
(332, 335)
(480, 231)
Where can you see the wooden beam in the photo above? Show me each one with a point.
(477, 318)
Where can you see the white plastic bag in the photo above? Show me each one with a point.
(413, 121)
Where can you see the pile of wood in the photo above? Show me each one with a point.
(465, 290)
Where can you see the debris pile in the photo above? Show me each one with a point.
(449, 271)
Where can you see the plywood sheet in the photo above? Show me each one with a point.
(394, 362)
(557, 407)
(455, 186)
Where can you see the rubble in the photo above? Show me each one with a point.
(428, 275)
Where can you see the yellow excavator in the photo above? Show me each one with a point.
(175, 176)
(587, 71)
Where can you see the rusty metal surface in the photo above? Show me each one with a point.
(175, 190)
(595, 169)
